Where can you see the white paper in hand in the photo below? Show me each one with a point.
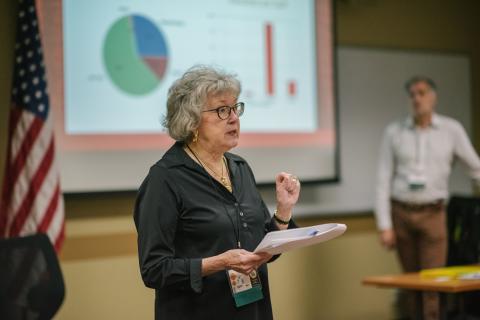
(276, 242)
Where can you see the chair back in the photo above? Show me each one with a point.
(31, 281)
(463, 230)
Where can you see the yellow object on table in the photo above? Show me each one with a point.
(452, 273)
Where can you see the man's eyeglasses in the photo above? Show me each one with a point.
(223, 112)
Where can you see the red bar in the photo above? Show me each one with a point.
(269, 56)
(292, 88)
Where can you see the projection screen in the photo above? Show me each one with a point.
(110, 64)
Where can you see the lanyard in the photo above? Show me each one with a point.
(420, 148)
(236, 230)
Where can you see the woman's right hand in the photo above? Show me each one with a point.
(240, 260)
(244, 261)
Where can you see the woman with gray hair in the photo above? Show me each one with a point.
(199, 215)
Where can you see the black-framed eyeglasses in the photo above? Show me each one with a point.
(223, 112)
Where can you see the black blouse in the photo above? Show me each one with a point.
(183, 215)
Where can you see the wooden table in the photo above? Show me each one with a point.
(413, 281)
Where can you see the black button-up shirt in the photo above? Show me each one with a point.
(183, 215)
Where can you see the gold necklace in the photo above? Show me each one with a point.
(223, 179)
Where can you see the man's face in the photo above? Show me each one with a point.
(423, 98)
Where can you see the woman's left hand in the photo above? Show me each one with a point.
(288, 190)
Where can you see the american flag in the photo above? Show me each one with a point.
(31, 200)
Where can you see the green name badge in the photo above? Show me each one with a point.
(416, 186)
(245, 289)
(416, 181)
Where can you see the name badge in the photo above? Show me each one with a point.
(245, 288)
(416, 181)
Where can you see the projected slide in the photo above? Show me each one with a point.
(143, 57)
(121, 58)
(109, 92)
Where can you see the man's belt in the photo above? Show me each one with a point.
(409, 206)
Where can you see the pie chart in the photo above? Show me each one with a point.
(135, 54)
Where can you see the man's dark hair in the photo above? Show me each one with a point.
(416, 79)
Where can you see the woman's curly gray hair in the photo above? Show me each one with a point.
(188, 95)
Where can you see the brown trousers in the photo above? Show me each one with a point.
(421, 235)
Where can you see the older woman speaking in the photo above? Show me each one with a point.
(199, 215)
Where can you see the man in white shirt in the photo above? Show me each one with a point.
(416, 157)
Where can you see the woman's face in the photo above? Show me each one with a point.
(215, 133)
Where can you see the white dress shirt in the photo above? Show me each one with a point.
(424, 156)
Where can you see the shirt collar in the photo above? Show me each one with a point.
(409, 122)
(176, 156)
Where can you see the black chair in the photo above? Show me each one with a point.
(31, 282)
(463, 230)
(464, 245)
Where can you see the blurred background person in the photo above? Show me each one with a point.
(416, 158)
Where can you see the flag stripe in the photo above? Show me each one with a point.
(26, 146)
(52, 207)
(35, 183)
(57, 222)
(57, 243)
(41, 203)
(32, 165)
(24, 122)
(57, 225)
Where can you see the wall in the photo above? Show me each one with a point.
(312, 283)
(322, 282)
(7, 35)
(444, 25)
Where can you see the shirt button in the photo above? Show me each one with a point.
(241, 214)
(244, 224)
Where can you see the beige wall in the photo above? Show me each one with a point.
(322, 282)
(443, 25)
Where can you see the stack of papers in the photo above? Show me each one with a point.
(452, 273)
(277, 242)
